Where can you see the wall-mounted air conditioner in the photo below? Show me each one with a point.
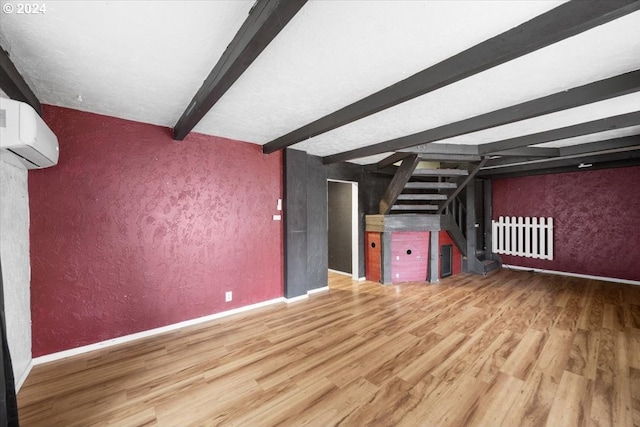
(23, 133)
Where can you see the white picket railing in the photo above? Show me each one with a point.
(527, 237)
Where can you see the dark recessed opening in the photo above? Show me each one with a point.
(408, 251)
(373, 244)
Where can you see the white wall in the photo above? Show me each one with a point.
(16, 270)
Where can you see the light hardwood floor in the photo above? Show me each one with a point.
(511, 348)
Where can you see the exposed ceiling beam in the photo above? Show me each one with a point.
(595, 126)
(452, 149)
(610, 164)
(266, 19)
(611, 144)
(465, 150)
(512, 160)
(590, 162)
(558, 24)
(628, 143)
(529, 152)
(388, 161)
(12, 83)
(582, 95)
(450, 158)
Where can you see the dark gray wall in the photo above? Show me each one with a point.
(339, 217)
(306, 241)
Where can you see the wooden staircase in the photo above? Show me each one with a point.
(436, 192)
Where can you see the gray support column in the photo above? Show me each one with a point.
(471, 263)
(317, 241)
(385, 262)
(434, 257)
(295, 223)
(488, 214)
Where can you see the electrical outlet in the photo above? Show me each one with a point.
(228, 296)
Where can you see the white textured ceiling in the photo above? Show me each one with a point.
(145, 60)
(138, 60)
(335, 52)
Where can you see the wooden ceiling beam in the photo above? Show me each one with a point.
(551, 27)
(13, 85)
(400, 179)
(266, 19)
(610, 144)
(572, 164)
(601, 148)
(582, 95)
(449, 149)
(529, 152)
(594, 126)
(387, 161)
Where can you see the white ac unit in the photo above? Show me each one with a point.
(23, 133)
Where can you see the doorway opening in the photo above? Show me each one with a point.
(342, 210)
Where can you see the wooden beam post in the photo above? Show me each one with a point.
(12, 83)
(398, 182)
(463, 184)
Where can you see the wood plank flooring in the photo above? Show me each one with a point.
(511, 349)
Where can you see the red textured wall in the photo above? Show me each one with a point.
(596, 219)
(456, 256)
(133, 231)
(409, 267)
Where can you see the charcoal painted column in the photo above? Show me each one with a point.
(317, 253)
(295, 225)
(488, 214)
(471, 263)
(385, 253)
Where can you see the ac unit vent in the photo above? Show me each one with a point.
(25, 134)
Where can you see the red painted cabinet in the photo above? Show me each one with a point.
(372, 256)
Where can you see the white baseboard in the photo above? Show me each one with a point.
(318, 290)
(564, 273)
(25, 374)
(305, 296)
(295, 299)
(344, 273)
(151, 332)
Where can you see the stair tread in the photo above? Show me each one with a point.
(430, 185)
(440, 172)
(414, 207)
(422, 197)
